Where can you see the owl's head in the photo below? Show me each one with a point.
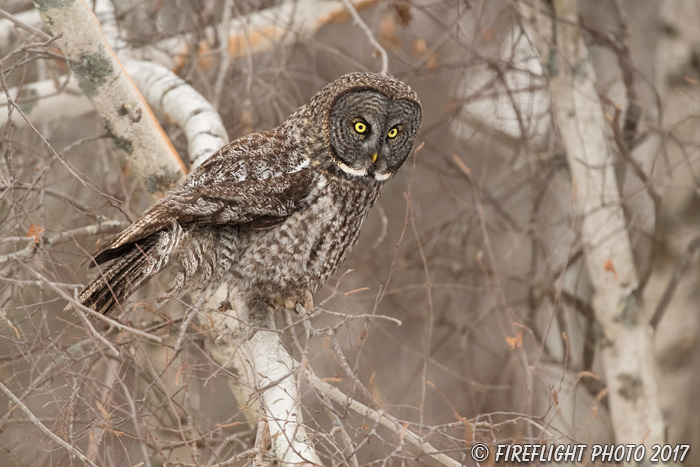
(369, 124)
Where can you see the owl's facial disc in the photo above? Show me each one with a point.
(370, 134)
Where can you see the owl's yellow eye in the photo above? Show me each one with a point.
(393, 132)
(360, 127)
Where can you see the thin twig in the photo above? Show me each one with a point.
(338, 427)
(76, 304)
(372, 40)
(378, 416)
(73, 451)
(79, 205)
(225, 57)
(63, 237)
(26, 26)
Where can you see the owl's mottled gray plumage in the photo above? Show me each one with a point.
(275, 212)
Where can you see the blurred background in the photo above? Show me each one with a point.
(474, 246)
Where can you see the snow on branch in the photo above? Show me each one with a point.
(627, 343)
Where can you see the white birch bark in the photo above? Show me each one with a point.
(275, 370)
(164, 91)
(254, 350)
(128, 118)
(627, 345)
(183, 105)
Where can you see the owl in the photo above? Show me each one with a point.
(274, 213)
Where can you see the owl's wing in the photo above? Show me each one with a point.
(239, 184)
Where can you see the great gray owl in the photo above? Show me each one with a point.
(275, 212)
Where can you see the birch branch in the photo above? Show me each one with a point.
(168, 93)
(164, 91)
(183, 105)
(128, 118)
(254, 350)
(276, 375)
(627, 346)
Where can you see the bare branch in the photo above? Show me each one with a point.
(132, 125)
(370, 37)
(74, 452)
(380, 417)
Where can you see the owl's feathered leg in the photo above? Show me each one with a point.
(131, 269)
(204, 257)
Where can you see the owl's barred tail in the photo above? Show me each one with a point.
(131, 267)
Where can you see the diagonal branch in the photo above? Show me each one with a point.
(18, 403)
(132, 126)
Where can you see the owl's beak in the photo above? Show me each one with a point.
(374, 157)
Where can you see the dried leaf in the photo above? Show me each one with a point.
(419, 47)
(431, 64)
(361, 337)
(603, 393)
(205, 55)
(104, 411)
(35, 231)
(460, 163)
(362, 289)
(332, 380)
(11, 325)
(516, 341)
